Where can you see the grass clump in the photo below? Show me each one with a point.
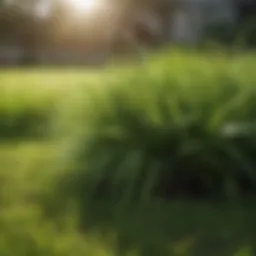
(180, 127)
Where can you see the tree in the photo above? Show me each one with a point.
(19, 25)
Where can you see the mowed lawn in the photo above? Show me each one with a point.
(28, 168)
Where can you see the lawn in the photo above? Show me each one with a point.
(161, 228)
(48, 115)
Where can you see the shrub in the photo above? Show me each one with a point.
(239, 35)
(247, 32)
(223, 33)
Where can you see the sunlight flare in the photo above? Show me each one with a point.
(83, 6)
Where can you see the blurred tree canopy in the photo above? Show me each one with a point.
(15, 22)
(20, 26)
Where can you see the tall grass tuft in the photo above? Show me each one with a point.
(177, 127)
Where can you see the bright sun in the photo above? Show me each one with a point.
(83, 6)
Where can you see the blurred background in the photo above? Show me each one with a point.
(127, 128)
(65, 31)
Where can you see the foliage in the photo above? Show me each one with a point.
(223, 33)
(247, 32)
(239, 35)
